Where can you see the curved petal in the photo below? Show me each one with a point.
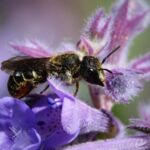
(97, 25)
(140, 125)
(134, 143)
(59, 88)
(144, 111)
(57, 120)
(92, 120)
(14, 110)
(16, 125)
(61, 118)
(88, 123)
(70, 118)
(27, 140)
(84, 44)
(5, 141)
(142, 64)
(31, 48)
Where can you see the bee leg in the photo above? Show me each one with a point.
(77, 88)
(44, 89)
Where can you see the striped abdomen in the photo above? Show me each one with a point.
(21, 83)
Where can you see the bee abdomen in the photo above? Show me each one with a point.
(22, 82)
(18, 87)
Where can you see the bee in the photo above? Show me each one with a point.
(27, 72)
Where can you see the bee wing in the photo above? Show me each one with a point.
(22, 63)
(12, 64)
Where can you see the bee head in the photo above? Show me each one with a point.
(91, 71)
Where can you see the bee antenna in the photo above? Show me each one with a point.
(110, 54)
(106, 70)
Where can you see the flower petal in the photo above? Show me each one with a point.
(117, 128)
(59, 88)
(70, 111)
(5, 141)
(84, 45)
(129, 20)
(122, 85)
(97, 24)
(27, 140)
(142, 64)
(93, 120)
(62, 117)
(134, 143)
(140, 125)
(31, 48)
(144, 111)
(57, 125)
(17, 125)
(14, 110)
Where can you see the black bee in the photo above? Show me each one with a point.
(27, 72)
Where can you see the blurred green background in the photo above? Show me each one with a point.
(54, 21)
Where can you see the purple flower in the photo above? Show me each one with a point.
(54, 121)
(103, 34)
(17, 126)
(126, 20)
(61, 118)
(138, 142)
